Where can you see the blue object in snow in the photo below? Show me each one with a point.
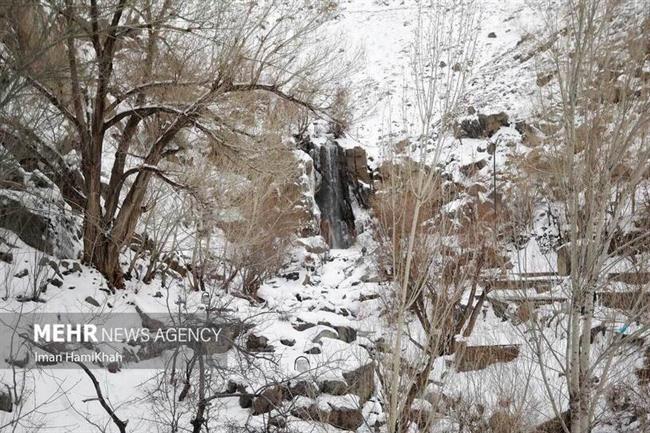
(623, 329)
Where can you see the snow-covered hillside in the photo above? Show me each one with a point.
(221, 206)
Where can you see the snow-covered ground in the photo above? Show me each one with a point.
(325, 312)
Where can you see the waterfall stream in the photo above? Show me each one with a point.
(332, 197)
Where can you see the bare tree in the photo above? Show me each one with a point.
(413, 229)
(197, 61)
(597, 156)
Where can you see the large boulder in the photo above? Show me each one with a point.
(361, 381)
(481, 125)
(269, 399)
(33, 155)
(340, 416)
(345, 418)
(6, 402)
(42, 220)
(356, 161)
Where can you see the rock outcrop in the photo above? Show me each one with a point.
(481, 125)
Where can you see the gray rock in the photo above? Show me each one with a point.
(269, 399)
(22, 273)
(256, 343)
(346, 333)
(361, 381)
(42, 225)
(325, 333)
(345, 418)
(303, 388)
(334, 387)
(92, 301)
(481, 126)
(6, 402)
(302, 326)
(6, 257)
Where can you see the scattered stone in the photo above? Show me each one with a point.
(456, 67)
(369, 297)
(361, 381)
(52, 264)
(269, 399)
(292, 276)
(278, 422)
(56, 282)
(76, 267)
(325, 333)
(314, 245)
(480, 126)
(92, 301)
(472, 169)
(475, 189)
(472, 358)
(303, 388)
(54, 233)
(313, 351)
(346, 333)
(245, 401)
(356, 162)
(71, 287)
(288, 342)
(301, 298)
(442, 64)
(334, 387)
(158, 295)
(370, 278)
(6, 257)
(6, 402)
(302, 326)
(256, 343)
(381, 345)
(22, 273)
(543, 79)
(345, 418)
(492, 35)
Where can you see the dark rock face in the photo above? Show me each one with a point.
(47, 229)
(34, 207)
(361, 381)
(345, 418)
(6, 402)
(356, 162)
(334, 387)
(358, 175)
(332, 196)
(31, 155)
(303, 388)
(92, 301)
(482, 126)
(256, 343)
(341, 417)
(269, 399)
